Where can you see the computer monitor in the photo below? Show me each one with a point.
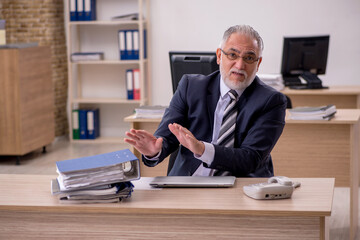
(304, 58)
(191, 63)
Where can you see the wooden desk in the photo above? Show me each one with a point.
(323, 149)
(340, 96)
(28, 210)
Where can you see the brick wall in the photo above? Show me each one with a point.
(42, 21)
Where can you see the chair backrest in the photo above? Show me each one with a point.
(289, 104)
(172, 159)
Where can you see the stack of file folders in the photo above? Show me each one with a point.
(96, 179)
(156, 111)
(273, 80)
(313, 113)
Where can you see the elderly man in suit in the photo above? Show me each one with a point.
(213, 139)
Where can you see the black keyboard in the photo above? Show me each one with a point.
(292, 81)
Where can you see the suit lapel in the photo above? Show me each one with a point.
(213, 94)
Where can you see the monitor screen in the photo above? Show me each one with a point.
(304, 54)
(191, 63)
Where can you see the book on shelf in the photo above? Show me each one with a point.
(87, 56)
(156, 111)
(86, 123)
(313, 113)
(99, 178)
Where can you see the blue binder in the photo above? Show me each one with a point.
(130, 84)
(89, 10)
(93, 123)
(83, 123)
(129, 45)
(96, 161)
(73, 10)
(136, 40)
(80, 10)
(145, 41)
(122, 44)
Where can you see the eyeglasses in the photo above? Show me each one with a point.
(249, 58)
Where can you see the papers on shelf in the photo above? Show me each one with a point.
(150, 111)
(87, 56)
(273, 80)
(126, 17)
(313, 113)
(96, 178)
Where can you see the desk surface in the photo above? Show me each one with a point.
(313, 198)
(332, 90)
(342, 116)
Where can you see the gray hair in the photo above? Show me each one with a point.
(246, 30)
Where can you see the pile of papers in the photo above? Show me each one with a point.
(150, 111)
(273, 80)
(100, 178)
(313, 113)
(87, 56)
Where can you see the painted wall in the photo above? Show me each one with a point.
(198, 25)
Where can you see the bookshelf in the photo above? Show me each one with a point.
(102, 83)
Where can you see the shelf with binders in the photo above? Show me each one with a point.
(96, 71)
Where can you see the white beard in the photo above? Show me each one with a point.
(237, 85)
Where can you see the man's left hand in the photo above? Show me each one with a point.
(187, 139)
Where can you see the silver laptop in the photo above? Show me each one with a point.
(193, 181)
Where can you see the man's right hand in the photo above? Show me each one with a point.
(144, 142)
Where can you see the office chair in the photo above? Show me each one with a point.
(289, 104)
(172, 159)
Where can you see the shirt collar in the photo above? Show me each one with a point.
(224, 89)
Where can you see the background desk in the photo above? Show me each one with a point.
(341, 96)
(323, 149)
(27, 210)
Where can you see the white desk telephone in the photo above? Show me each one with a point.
(278, 187)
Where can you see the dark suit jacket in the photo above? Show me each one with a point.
(260, 122)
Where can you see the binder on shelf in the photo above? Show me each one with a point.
(136, 75)
(80, 10)
(145, 49)
(129, 84)
(122, 43)
(83, 124)
(129, 45)
(73, 10)
(93, 123)
(135, 51)
(89, 10)
(75, 124)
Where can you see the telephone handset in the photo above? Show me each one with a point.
(278, 187)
